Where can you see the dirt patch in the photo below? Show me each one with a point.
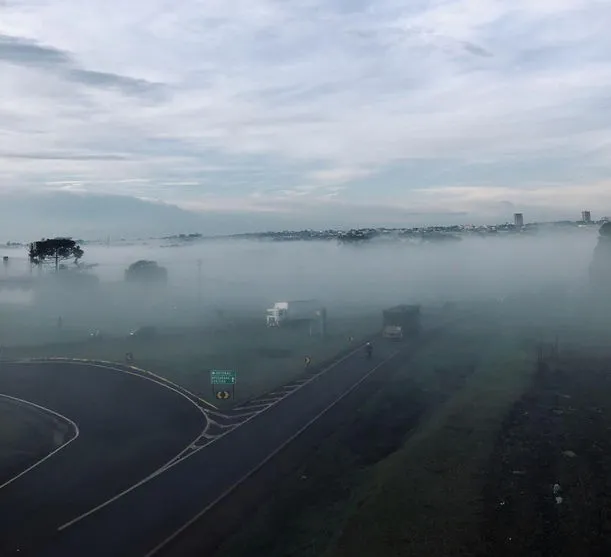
(549, 487)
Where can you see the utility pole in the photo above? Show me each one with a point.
(199, 283)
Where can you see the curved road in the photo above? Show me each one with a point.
(129, 427)
(138, 522)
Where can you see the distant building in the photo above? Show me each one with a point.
(586, 216)
(518, 220)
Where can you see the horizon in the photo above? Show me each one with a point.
(195, 235)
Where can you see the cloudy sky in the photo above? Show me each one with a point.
(480, 107)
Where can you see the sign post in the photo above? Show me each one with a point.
(223, 377)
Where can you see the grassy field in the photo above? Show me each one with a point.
(262, 357)
(426, 498)
(402, 478)
(558, 433)
(26, 435)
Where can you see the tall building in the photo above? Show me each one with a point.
(518, 220)
(586, 216)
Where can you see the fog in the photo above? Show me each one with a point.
(246, 276)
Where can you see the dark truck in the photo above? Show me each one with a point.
(401, 322)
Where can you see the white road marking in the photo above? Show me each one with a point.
(203, 401)
(255, 406)
(228, 491)
(113, 365)
(121, 370)
(62, 446)
(267, 400)
(214, 440)
(220, 426)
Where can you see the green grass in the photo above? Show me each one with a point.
(426, 498)
(263, 358)
(402, 440)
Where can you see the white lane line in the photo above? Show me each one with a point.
(290, 387)
(218, 415)
(225, 426)
(228, 491)
(214, 440)
(114, 365)
(62, 446)
(217, 424)
(246, 414)
(146, 378)
(201, 410)
(173, 461)
(204, 401)
(254, 406)
(111, 367)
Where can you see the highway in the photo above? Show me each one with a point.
(90, 498)
(138, 522)
(128, 427)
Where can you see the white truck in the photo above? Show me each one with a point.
(283, 313)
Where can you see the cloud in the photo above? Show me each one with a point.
(63, 156)
(19, 51)
(128, 85)
(28, 53)
(266, 101)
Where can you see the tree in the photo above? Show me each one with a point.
(54, 250)
(148, 272)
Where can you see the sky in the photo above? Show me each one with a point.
(440, 109)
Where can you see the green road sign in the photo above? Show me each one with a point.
(222, 377)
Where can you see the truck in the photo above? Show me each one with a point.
(401, 321)
(283, 313)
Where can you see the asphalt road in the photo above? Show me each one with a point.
(128, 428)
(137, 522)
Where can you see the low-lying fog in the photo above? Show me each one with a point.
(251, 274)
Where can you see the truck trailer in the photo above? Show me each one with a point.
(401, 322)
(284, 313)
